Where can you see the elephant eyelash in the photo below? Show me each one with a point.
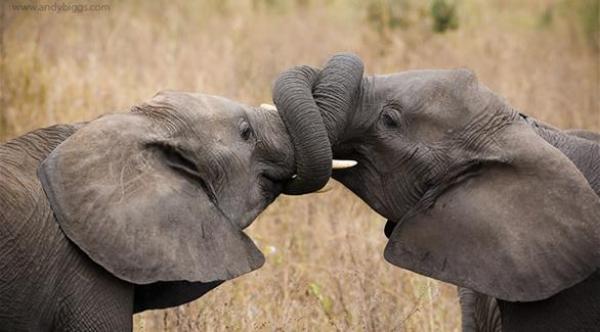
(246, 131)
(390, 118)
(394, 104)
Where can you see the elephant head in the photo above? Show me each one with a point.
(162, 193)
(473, 196)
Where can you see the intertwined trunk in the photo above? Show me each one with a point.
(315, 106)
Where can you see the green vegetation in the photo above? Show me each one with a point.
(444, 15)
(589, 16)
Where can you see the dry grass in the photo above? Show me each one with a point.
(325, 269)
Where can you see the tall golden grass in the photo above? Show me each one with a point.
(325, 269)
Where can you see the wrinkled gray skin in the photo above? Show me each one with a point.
(482, 313)
(475, 193)
(133, 211)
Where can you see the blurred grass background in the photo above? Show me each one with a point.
(325, 269)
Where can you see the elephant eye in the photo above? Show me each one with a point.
(389, 118)
(246, 131)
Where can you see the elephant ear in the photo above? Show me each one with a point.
(519, 231)
(116, 191)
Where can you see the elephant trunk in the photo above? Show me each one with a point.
(336, 91)
(292, 94)
(314, 106)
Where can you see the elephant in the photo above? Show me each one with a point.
(134, 211)
(586, 134)
(481, 312)
(476, 194)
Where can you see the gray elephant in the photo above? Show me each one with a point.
(481, 312)
(133, 211)
(586, 134)
(475, 193)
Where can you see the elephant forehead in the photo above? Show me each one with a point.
(200, 107)
(451, 97)
(423, 85)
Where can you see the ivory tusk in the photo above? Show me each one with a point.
(341, 164)
(338, 164)
(268, 107)
(335, 164)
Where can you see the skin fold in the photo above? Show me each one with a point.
(133, 211)
(475, 193)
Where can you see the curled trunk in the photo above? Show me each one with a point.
(315, 107)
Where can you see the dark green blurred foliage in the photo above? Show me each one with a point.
(589, 19)
(386, 15)
(444, 15)
(547, 17)
(581, 15)
(280, 7)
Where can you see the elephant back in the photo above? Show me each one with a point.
(20, 189)
(29, 234)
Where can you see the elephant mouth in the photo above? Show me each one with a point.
(272, 184)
